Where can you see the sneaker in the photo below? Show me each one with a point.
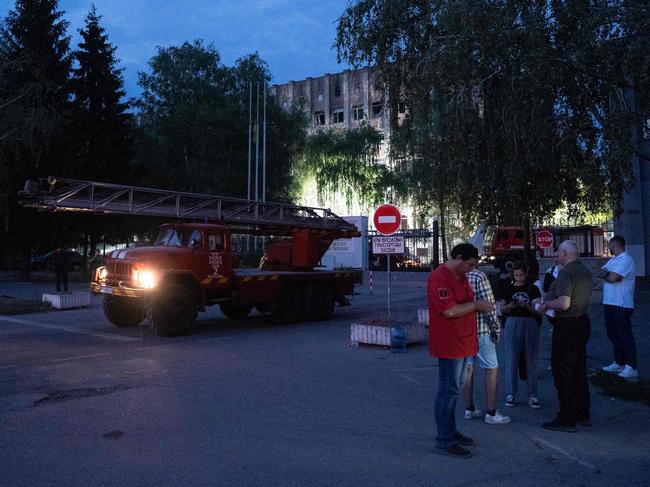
(613, 367)
(510, 400)
(460, 439)
(534, 403)
(557, 425)
(454, 451)
(496, 418)
(628, 373)
(477, 413)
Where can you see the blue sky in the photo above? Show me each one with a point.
(294, 37)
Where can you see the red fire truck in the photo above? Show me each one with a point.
(193, 265)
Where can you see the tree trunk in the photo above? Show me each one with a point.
(443, 231)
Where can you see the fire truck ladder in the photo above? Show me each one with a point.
(58, 194)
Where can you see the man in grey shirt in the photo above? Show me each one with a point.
(569, 297)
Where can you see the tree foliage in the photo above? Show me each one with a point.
(194, 113)
(345, 162)
(34, 111)
(513, 107)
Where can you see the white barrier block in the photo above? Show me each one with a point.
(77, 299)
(380, 334)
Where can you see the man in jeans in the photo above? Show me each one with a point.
(488, 331)
(452, 338)
(618, 301)
(569, 298)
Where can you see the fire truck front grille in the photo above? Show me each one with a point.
(119, 270)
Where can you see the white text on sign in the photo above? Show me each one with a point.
(388, 245)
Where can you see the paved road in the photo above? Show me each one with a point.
(248, 403)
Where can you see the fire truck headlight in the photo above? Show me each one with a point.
(145, 278)
(102, 272)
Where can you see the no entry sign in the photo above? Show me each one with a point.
(544, 239)
(387, 219)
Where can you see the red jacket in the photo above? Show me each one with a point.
(450, 337)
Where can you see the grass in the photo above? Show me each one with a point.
(637, 390)
(15, 306)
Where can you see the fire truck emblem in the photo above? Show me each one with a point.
(216, 263)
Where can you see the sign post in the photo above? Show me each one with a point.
(387, 220)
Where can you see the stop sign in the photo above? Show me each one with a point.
(544, 239)
(387, 219)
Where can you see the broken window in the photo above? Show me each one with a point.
(319, 118)
(338, 116)
(337, 89)
(377, 108)
(357, 112)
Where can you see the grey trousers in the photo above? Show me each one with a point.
(521, 334)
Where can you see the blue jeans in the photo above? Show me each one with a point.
(619, 331)
(451, 377)
(521, 334)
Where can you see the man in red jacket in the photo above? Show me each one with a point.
(452, 339)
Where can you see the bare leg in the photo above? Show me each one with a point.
(491, 388)
(468, 388)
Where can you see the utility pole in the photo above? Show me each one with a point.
(264, 150)
(257, 141)
(250, 134)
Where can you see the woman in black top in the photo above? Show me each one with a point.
(521, 334)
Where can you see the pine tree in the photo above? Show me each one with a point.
(101, 126)
(34, 101)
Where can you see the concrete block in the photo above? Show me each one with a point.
(77, 299)
(379, 334)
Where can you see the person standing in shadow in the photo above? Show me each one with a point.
(61, 265)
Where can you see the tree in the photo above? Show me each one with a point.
(34, 101)
(194, 113)
(344, 162)
(513, 104)
(101, 131)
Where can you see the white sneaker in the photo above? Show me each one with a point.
(477, 413)
(497, 418)
(628, 373)
(613, 367)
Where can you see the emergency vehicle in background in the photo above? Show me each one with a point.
(502, 246)
(193, 265)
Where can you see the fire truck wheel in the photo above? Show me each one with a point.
(173, 310)
(320, 301)
(235, 311)
(290, 306)
(123, 312)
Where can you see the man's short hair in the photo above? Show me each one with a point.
(620, 241)
(465, 250)
(520, 266)
(570, 246)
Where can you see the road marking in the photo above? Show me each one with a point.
(411, 379)
(12, 366)
(91, 355)
(566, 454)
(69, 329)
(152, 347)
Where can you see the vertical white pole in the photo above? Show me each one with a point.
(257, 141)
(250, 134)
(389, 317)
(264, 149)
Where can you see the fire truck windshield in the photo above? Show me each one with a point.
(178, 237)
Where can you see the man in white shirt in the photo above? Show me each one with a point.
(618, 301)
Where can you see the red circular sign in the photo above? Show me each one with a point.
(544, 239)
(387, 219)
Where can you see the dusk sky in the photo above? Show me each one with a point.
(294, 37)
